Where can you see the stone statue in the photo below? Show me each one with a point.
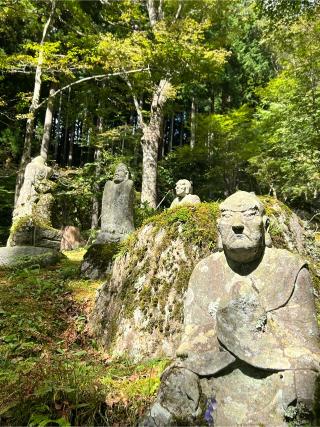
(35, 174)
(117, 207)
(249, 354)
(31, 222)
(184, 196)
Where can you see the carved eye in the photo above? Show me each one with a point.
(226, 215)
(250, 214)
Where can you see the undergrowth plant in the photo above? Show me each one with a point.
(51, 372)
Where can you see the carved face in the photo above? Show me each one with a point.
(121, 174)
(183, 187)
(242, 227)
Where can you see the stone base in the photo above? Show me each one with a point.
(27, 256)
(30, 235)
(98, 261)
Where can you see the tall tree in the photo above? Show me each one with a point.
(26, 152)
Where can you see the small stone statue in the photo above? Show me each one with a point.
(250, 351)
(184, 196)
(117, 207)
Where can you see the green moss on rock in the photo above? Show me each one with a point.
(99, 259)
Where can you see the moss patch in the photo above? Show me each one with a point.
(99, 259)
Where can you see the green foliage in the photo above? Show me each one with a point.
(287, 119)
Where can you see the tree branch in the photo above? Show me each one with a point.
(178, 12)
(95, 77)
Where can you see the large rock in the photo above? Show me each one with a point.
(27, 256)
(139, 310)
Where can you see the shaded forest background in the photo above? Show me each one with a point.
(224, 93)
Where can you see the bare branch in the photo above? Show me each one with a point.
(9, 118)
(178, 12)
(95, 77)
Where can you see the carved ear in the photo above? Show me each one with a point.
(219, 241)
(267, 237)
(219, 244)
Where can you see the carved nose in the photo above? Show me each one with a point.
(238, 228)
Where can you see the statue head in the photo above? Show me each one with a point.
(242, 227)
(121, 173)
(183, 187)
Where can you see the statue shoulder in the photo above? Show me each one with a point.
(208, 269)
(175, 202)
(192, 198)
(285, 258)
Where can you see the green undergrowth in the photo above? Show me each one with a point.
(51, 371)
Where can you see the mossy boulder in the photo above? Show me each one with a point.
(139, 310)
(26, 257)
(98, 260)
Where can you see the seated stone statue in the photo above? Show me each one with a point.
(117, 207)
(250, 352)
(184, 196)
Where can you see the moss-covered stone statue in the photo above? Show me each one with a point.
(31, 222)
(116, 224)
(249, 354)
(184, 194)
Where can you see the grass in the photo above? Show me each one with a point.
(51, 371)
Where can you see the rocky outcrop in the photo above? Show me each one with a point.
(139, 310)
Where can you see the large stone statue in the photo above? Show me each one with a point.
(184, 196)
(250, 352)
(117, 207)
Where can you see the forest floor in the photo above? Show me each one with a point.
(51, 371)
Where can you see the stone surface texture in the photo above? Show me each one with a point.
(24, 256)
(250, 329)
(184, 196)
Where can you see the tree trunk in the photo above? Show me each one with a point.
(171, 133)
(47, 126)
(150, 144)
(95, 199)
(58, 130)
(193, 124)
(26, 153)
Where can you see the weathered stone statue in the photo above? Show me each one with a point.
(36, 172)
(117, 207)
(250, 351)
(31, 222)
(184, 196)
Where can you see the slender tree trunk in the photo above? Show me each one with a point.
(171, 133)
(71, 146)
(181, 129)
(47, 126)
(26, 153)
(193, 123)
(57, 135)
(96, 188)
